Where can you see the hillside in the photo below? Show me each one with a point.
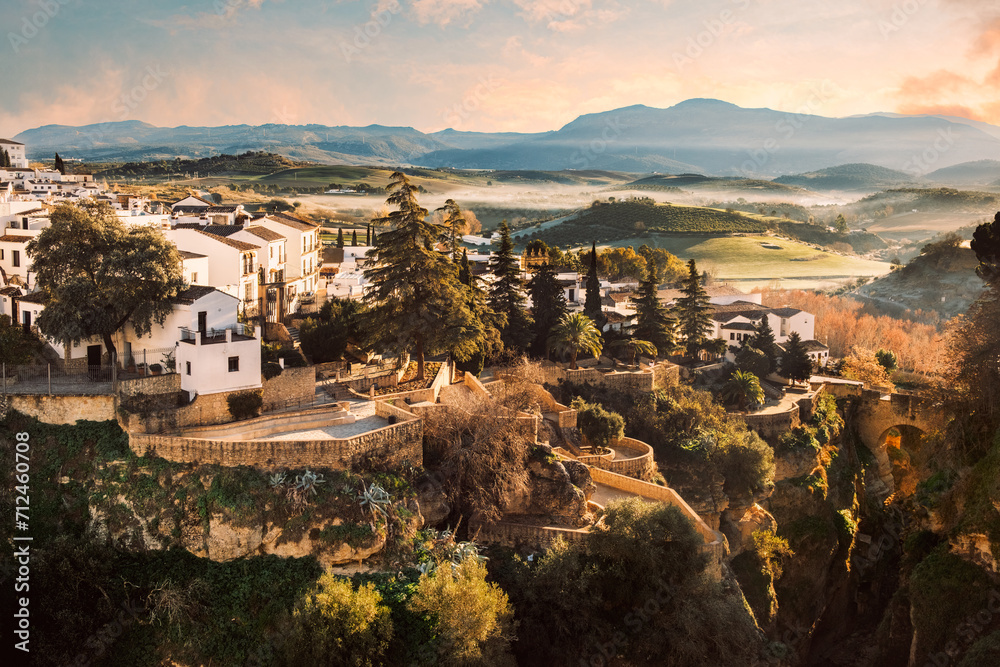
(247, 164)
(933, 199)
(941, 279)
(856, 176)
(977, 173)
(671, 183)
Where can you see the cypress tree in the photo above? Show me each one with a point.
(548, 306)
(654, 322)
(354, 238)
(592, 301)
(340, 237)
(454, 220)
(60, 167)
(506, 295)
(5, 160)
(693, 311)
(763, 340)
(368, 235)
(796, 364)
(465, 269)
(415, 301)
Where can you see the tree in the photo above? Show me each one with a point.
(354, 238)
(59, 166)
(368, 235)
(840, 224)
(506, 295)
(325, 338)
(454, 220)
(574, 334)
(752, 360)
(693, 311)
(864, 365)
(654, 322)
(340, 237)
(98, 274)
(634, 347)
(600, 427)
(592, 302)
(336, 624)
(548, 306)
(415, 301)
(763, 340)
(795, 364)
(986, 244)
(16, 345)
(743, 388)
(5, 159)
(887, 359)
(472, 618)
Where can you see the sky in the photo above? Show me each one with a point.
(486, 65)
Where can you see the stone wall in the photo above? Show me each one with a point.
(151, 385)
(640, 465)
(63, 409)
(773, 424)
(362, 385)
(525, 536)
(294, 384)
(640, 381)
(274, 424)
(391, 446)
(205, 410)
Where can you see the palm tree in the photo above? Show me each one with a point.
(743, 387)
(633, 347)
(575, 333)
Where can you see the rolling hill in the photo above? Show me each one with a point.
(968, 174)
(696, 136)
(849, 177)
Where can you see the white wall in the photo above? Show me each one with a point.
(209, 366)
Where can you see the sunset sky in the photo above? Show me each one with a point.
(486, 65)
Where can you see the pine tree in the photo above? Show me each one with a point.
(796, 364)
(416, 301)
(368, 235)
(763, 340)
(354, 238)
(5, 160)
(548, 306)
(592, 301)
(455, 222)
(59, 166)
(465, 269)
(340, 237)
(654, 322)
(693, 311)
(506, 295)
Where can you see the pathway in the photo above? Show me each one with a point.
(365, 420)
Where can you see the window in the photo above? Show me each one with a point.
(234, 364)
(732, 336)
(270, 252)
(15, 257)
(194, 276)
(1, 254)
(187, 367)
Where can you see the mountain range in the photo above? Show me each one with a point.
(700, 135)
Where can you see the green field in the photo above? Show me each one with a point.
(745, 261)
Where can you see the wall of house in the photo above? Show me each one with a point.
(210, 372)
(64, 409)
(226, 261)
(197, 271)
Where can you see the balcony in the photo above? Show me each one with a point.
(234, 332)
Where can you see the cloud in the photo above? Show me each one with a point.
(224, 12)
(569, 15)
(443, 12)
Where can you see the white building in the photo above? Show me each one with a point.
(232, 263)
(302, 261)
(15, 149)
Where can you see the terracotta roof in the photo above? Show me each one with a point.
(239, 245)
(14, 238)
(265, 233)
(10, 291)
(614, 318)
(222, 230)
(193, 293)
(34, 297)
(291, 221)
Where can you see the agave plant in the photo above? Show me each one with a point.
(306, 482)
(375, 498)
(277, 480)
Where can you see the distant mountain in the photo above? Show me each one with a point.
(980, 172)
(718, 138)
(850, 177)
(704, 136)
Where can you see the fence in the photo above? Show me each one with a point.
(51, 380)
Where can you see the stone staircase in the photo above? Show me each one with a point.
(294, 333)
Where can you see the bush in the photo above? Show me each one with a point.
(270, 370)
(598, 426)
(245, 404)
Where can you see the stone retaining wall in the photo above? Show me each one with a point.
(391, 445)
(773, 425)
(63, 409)
(294, 384)
(518, 535)
(640, 466)
(152, 385)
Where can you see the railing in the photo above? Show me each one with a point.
(50, 380)
(211, 335)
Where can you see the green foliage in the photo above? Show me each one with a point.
(600, 427)
(846, 526)
(930, 490)
(99, 274)
(795, 364)
(798, 439)
(654, 322)
(944, 590)
(338, 624)
(747, 463)
(743, 388)
(270, 370)
(471, 617)
(325, 337)
(16, 345)
(693, 311)
(506, 295)
(758, 568)
(984, 653)
(245, 404)
(548, 307)
(575, 333)
(354, 534)
(592, 298)
(986, 244)
(887, 360)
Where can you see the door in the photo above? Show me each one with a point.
(202, 321)
(94, 361)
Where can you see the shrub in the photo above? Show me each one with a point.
(599, 426)
(245, 404)
(270, 370)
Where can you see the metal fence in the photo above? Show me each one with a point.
(49, 379)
